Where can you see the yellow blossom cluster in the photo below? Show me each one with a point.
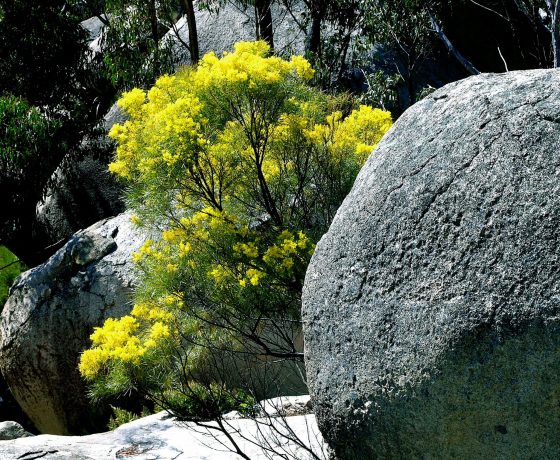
(175, 127)
(240, 165)
(249, 65)
(127, 339)
(289, 249)
(357, 134)
(116, 339)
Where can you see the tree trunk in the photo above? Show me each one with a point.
(314, 46)
(555, 31)
(469, 67)
(152, 12)
(193, 34)
(264, 22)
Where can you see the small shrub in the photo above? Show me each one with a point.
(122, 416)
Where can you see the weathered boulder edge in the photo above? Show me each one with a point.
(49, 316)
(431, 308)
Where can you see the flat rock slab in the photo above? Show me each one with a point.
(432, 305)
(159, 437)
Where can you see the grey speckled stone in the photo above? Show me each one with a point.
(159, 437)
(82, 191)
(49, 316)
(432, 306)
(12, 430)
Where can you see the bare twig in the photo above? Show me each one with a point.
(490, 9)
(503, 59)
(451, 48)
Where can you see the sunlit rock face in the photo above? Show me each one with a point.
(431, 307)
(49, 316)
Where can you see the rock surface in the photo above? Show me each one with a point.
(94, 26)
(431, 307)
(82, 192)
(12, 430)
(286, 406)
(158, 437)
(49, 316)
(219, 31)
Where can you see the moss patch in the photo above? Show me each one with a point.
(10, 268)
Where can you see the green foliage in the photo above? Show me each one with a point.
(382, 90)
(404, 29)
(31, 147)
(202, 402)
(241, 166)
(403, 24)
(43, 64)
(133, 50)
(41, 57)
(122, 416)
(10, 268)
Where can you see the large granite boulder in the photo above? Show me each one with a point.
(431, 307)
(219, 30)
(49, 316)
(81, 191)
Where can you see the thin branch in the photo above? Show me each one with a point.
(178, 37)
(103, 19)
(503, 59)
(490, 9)
(451, 48)
(10, 264)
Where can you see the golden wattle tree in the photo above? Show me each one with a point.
(240, 165)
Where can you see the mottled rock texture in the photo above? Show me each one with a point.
(159, 437)
(432, 305)
(12, 430)
(49, 316)
(82, 191)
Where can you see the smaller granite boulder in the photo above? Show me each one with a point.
(12, 430)
(82, 191)
(49, 316)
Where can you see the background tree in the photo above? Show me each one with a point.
(432, 42)
(330, 27)
(31, 147)
(134, 48)
(193, 47)
(404, 26)
(42, 64)
(262, 15)
(543, 14)
(42, 52)
(132, 41)
(498, 35)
